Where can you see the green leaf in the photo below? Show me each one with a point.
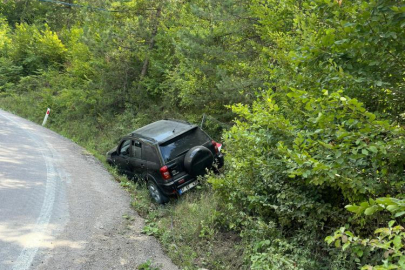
(393, 208)
(400, 214)
(385, 201)
(352, 208)
(371, 117)
(329, 239)
(384, 231)
(397, 241)
(345, 246)
(371, 210)
(349, 234)
(373, 149)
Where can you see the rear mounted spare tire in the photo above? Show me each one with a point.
(197, 160)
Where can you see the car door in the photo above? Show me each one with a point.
(136, 162)
(124, 156)
(151, 160)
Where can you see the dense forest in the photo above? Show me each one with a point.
(308, 97)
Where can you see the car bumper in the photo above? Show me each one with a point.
(180, 182)
(177, 184)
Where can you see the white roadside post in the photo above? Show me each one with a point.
(46, 116)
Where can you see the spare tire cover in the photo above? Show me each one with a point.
(197, 159)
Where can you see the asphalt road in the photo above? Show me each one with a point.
(60, 209)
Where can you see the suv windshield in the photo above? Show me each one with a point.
(180, 145)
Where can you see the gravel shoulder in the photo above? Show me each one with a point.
(81, 223)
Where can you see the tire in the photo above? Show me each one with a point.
(156, 194)
(197, 160)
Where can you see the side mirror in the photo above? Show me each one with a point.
(126, 152)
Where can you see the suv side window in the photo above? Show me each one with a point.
(149, 153)
(124, 149)
(136, 149)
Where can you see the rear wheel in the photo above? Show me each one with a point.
(156, 194)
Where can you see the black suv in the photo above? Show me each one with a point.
(168, 155)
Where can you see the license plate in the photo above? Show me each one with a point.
(188, 187)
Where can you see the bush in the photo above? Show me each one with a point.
(388, 242)
(294, 159)
(36, 49)
(5, 40)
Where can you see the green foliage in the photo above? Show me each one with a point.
(18, 11)
(9, 74)
(36, 49)
(330, 141)
(148, 265)
(356, 46)
(5, 40)
(294, 159)
(79, 55)
(214, 53)
(393, 205)
(388, 242)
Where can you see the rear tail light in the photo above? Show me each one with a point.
(214, 143)
(164, 171)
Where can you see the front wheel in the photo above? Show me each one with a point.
(156, 194)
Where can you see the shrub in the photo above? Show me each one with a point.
(294, 159)
(388, 242)
(5, 40)
(36, 49)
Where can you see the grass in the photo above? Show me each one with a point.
(148, 265)
(190, 233)
(187, 227)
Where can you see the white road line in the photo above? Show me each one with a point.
(27, 255)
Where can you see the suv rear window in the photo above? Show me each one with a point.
(180, 145)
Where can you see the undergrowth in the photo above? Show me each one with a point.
(189, 229)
